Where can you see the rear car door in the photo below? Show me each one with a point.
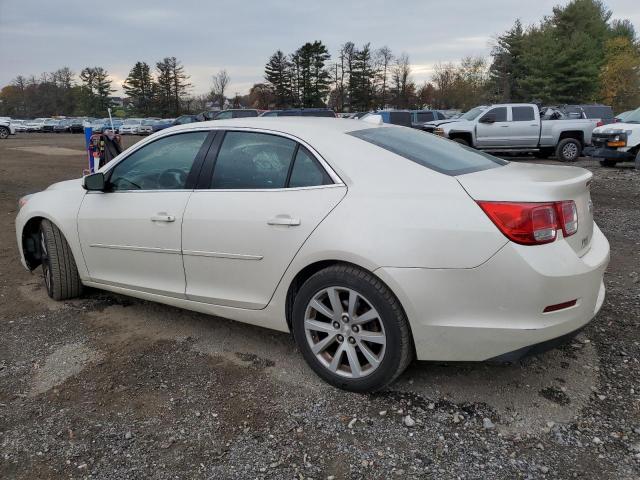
(131, 234)
(263, 194)
(524, 129)
(495, 133)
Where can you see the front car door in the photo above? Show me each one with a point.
(495, 133)
(131, 233)
(263, 195)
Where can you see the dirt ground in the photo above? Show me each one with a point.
(112, 387)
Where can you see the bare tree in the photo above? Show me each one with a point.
(384, 57)
(400, 75)
(221, 81)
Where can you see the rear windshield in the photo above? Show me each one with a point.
(428, 150)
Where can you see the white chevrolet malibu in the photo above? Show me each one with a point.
(374, 244)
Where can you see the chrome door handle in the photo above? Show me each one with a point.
(163, 217)
(282, 220)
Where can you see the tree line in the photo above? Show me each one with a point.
(578, 54)
(161, 92)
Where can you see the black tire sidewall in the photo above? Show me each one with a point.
(4, 133)
(561, 146)
(389, 316)
(51, 288)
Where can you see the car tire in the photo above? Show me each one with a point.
(461, 141)
(607, 162)
(58, 265)
(568, 150)
(637, 162)
(4, 133)
(373, 352)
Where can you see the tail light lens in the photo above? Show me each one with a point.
(532, 223)
(599, 123)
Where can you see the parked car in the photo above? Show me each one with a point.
(130, 126)
(307, 112)
(394, 117)
(6, 128)
(420, 117)
(185, 119)
(76, 125)
(162, 124)
(517, 127)
(463, 256)
(62, 126)
(48, 124)
(603, 113)
(18, 125)
(146, 127)
(617, 142)
(270, 113)
(231, 113)
(35, 125)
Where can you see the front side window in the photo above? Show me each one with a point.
(430, 151)
(522, 114)
(224, 115)
(306, 171)
(249, 160)
(499, 114)
(160, 165)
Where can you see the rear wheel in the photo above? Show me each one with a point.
(351, 329)
(607, 162)
(568, 150)
(58, 265)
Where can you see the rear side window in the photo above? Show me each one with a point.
(248, 160)
(597, 111)
(428, 150)
(522, 114)
(306, 171)
(400, 118)
(425, 116)
(245, 113)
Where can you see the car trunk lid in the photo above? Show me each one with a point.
(516, 182)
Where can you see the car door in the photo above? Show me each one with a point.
(492, 129)
(524, 130)
(264, 194)
(131, 234)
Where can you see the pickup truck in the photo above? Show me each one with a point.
(6, 128)
(517, 127)
(617, 142)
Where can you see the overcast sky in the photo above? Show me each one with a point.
(240, 35)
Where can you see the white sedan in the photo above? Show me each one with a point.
(374, 244)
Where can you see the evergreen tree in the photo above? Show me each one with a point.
(310, 76)
(139, 87)
(96, 91)
(277, 73)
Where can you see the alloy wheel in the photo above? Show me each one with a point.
(345, 332)
(46, 268)
(570, 151)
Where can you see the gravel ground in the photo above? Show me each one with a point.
(112, 387)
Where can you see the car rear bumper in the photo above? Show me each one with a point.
(497, 308)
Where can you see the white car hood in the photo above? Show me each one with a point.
(66, 185)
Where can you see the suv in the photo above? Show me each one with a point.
(301, 112)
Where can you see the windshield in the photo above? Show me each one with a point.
(430, 151)
(132, 121)
(633, 117)
(149, 122)
(473, 113)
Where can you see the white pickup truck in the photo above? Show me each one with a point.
(517, 127)
(617, 142)
(6, 128)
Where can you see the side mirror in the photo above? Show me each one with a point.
(94, 182)
(489, 118)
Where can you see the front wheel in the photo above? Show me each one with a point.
(4, 133)
(58, 265)
(351, 329)
(568, 150)
(461, 141)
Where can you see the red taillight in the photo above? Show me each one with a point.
(568, 215)
(532, 223)
(600, 123)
